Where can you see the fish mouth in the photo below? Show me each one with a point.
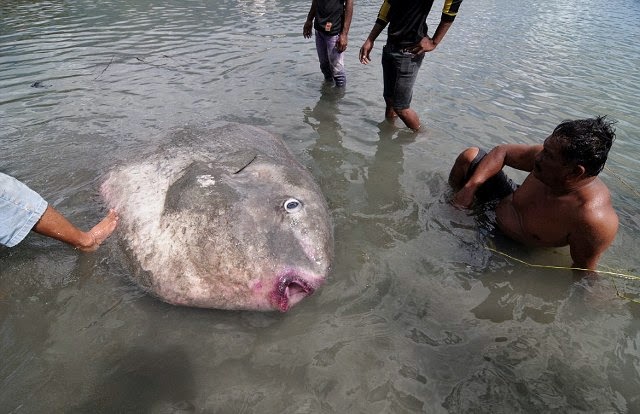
(289, 290)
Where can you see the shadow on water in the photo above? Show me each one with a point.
(365, 191)
(139, 380)
(371, 210)
(512, 333)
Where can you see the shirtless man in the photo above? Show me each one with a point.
(561, 202)
(23, 210)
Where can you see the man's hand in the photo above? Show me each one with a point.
(463, 198)
(306, 31)
(365, 50)
(425, 45)
(341, 44)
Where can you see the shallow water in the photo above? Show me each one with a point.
(417, 316)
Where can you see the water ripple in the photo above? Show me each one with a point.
(417, 316)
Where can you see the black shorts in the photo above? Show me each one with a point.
(399, 71)
(495, 188)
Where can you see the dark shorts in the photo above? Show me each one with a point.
(399, 70)
(495, 188)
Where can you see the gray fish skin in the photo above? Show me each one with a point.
(224, 218)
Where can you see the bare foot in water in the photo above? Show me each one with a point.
(100, 232)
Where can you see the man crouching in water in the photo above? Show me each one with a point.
(561, 202)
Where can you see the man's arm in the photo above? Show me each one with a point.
(378, 27)
(365, 50)
(308, 24)
(429, 44)
(449, 12)
(341, 45)
(593, 234)
(518, 156)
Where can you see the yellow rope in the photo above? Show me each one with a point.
(618, 274)
(622, 275)
(620, 295)
(633, 190)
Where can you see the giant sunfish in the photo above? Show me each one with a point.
(223, 218)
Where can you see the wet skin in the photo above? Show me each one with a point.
(556, 205)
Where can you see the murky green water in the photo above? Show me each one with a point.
(418, 316)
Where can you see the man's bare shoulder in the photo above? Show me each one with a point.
(596, 213)
(596, 197)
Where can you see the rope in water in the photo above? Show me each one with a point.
(633, 190)
(622, 275)
(617, 274)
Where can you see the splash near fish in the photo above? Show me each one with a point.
(223, 218)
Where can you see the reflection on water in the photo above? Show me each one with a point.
(417, 316)
(378, 203)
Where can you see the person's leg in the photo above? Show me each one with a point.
(494, 188)
(409, 117)
(407, 67)
(323, 57)
(389, 113)
(336, 62)
(55, 225)
(458, 175)
(389, 82)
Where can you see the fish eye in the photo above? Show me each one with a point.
(292, 205)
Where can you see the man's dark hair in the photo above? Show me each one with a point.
(587, 142)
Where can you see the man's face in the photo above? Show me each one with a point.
(550, 167)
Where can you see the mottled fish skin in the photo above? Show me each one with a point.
(224, 218)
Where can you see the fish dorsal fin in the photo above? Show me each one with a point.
(239, 160)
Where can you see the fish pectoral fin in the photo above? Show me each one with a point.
(199, 189)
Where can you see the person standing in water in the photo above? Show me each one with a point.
(331, 20)
(407, 43)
